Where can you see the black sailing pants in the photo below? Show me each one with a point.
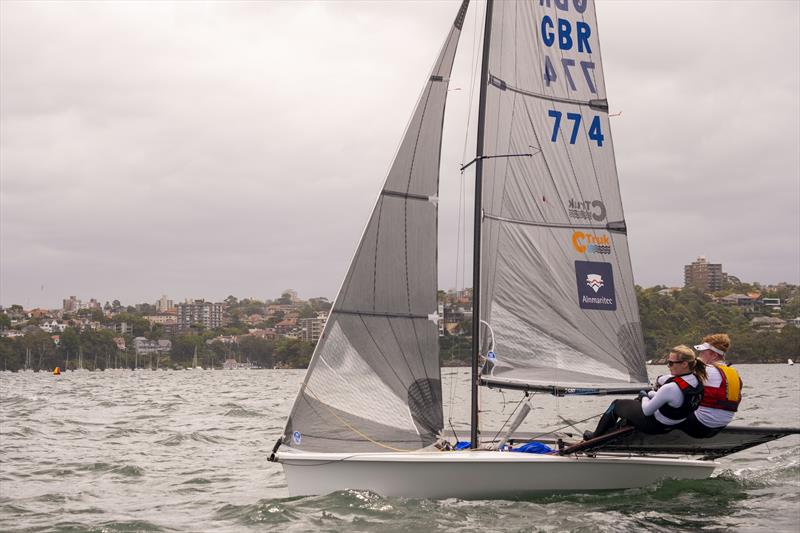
(694, 428)
(629, 413)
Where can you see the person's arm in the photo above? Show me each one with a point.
(669, 393)
(660, 380)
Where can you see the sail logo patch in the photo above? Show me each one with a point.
(594, 281)
(591, 243)
(595, 285)
(586, 209)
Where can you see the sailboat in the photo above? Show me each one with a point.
(553, 293)
(195, 364)
(80, 360)
(28, 361)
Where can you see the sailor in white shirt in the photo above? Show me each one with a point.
(659, 411)
(722, 390)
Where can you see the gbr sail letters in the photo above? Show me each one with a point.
(556, 281)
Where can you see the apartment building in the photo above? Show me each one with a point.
(199, 312)
(71, 304)
(708, 277)
(163, 304)
(312, 328)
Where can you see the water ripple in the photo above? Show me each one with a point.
(186, 451)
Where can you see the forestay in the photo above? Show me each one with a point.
(557, 287)
(373, 383)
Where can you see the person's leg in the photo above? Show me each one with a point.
(618, 408)
(630, 411)
(607, 421)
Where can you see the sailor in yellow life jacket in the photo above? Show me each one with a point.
(722, 390)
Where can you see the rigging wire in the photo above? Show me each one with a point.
(502, 427)
(461, 234)
(564, 427)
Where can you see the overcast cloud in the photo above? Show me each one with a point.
(206, 149)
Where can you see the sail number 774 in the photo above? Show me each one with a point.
(595, 132)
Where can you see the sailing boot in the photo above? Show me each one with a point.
(606, 423)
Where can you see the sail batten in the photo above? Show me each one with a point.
(598, 104)
(556, 282)
(373, 313)
(373, 382)
(611, 226)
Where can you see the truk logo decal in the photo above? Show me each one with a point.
(595, 285)
(591, 243)
(586, 209)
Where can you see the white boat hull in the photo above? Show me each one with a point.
(477, 474)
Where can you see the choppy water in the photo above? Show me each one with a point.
(186, 451)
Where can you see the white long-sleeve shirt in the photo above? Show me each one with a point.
(669, 394)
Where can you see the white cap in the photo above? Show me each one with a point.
(706, 346)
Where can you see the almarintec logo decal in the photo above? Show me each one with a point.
(595, 281)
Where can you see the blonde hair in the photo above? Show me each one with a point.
(720, 341)
(696, 366)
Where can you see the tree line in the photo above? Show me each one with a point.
(669, 319)
(685, 317)
(96, 349)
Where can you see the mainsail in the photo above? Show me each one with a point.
(373, 383)
(556, 282)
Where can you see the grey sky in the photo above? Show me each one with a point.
(207, 149)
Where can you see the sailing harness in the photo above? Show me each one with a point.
(729, 393)
(692, 396)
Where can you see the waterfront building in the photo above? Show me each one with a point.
(163, 304)
(265, 333)
(768, 323)
(199, 312)
(286, 325)
(312, 327)
(273, 309)
(739, 300)
(39, 313)
(145, 346)
(224, 339)
(53, 326)
(708, 277)
(121, 328)
(454, 318)
(71, 304)
(161, 319)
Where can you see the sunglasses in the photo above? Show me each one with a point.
(670, 363)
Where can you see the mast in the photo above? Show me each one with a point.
(476, 241)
